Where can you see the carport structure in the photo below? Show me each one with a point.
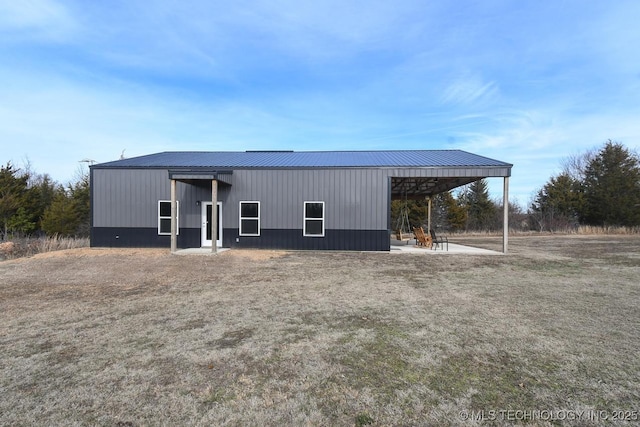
(424, 188)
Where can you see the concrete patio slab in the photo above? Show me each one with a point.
(199, 251)
(454, 248)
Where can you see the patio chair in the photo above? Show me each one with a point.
(421, 238)
(439, 241)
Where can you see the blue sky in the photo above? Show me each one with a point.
(526, 82)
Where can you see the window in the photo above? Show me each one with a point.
(249, 218)
(164, 217)
(313, 219)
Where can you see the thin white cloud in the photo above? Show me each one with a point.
(57, 122)
(329, 28)
(44, 20)
(210, 38)
(469, 90)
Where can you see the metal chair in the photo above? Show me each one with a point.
(439, 241)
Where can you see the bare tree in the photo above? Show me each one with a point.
(575, 165)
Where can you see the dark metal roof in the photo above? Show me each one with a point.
(306, 159)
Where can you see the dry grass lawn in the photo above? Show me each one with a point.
(140, 337)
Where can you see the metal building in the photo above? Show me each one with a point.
(325, 200)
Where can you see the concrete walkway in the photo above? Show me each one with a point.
(454, 248)
(199, 251)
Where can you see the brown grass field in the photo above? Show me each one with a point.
(547, 335)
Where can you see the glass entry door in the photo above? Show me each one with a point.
(207, 232)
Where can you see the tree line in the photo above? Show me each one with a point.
(34, 204)
(600, 187)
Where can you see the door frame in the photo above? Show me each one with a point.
(203, 228)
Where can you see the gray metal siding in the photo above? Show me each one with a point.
(129, 198)
(355, 199)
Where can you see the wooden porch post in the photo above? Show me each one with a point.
(174, 218)
(505, 220)
(214, 215)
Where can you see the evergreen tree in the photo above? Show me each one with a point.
(31, 203)
(43, 190)
(480, 209)
(80, 193)
(416, 212)
(612, 187)
(558, 204)
(69, 214)
(13, 189)
(22, 222)
(62, 216)
(36, 200)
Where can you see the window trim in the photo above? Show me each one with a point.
(240, 233)
(160, 217)
(305, 219)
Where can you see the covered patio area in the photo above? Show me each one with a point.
(424, 188)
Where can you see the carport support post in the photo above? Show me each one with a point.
(505, 220)
(214, 215)
(429, 214)
(174, 218)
